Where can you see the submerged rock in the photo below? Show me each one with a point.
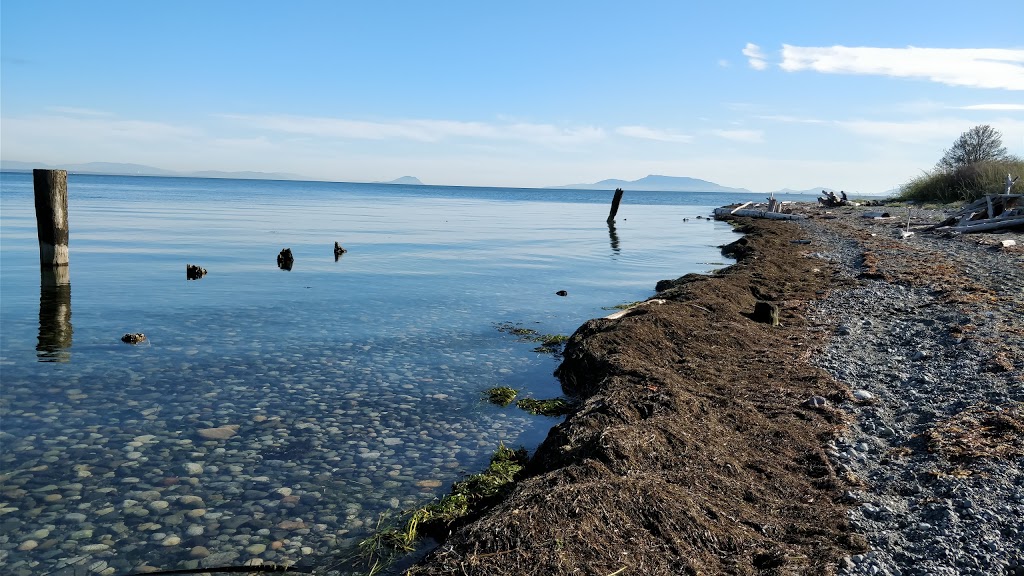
(220, 432)
(135, 338)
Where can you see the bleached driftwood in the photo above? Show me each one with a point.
(757, 213)
(997, 223)
(740, 207)
(993, 212)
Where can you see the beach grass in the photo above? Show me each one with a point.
(964, 184)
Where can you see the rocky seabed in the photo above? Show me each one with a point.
(293, 461)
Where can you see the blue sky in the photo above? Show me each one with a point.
(860, 95)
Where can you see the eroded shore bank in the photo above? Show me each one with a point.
(711, 443)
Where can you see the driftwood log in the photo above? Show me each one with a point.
(993, 212)
(723, 213)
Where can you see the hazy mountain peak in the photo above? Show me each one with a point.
(411, 180)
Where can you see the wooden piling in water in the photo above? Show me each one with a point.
(51, 195)
(615, 204)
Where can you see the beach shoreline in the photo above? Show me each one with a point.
(711, 441)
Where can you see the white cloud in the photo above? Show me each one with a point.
(646, 133)
(754, 56)
(750, 136)
(974, 67)
(420, 130)
(1002, 107)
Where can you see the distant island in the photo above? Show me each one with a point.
(656, 182)
(410, 180)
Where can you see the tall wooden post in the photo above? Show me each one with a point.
(51, 193)
(615, 204)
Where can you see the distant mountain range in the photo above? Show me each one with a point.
(119, 169)
(123, 169)
(652, 182)
(657, 183)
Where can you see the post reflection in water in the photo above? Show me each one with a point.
(613, 237)
(54, 315)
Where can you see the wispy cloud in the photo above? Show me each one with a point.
(646, 133)
(975, 67)
(916, 132)
(419, 130)
(99, 127)
(754, 56)
(1006, 107)
(73, 111)
(98, 137)
(789, 119)
(750, 136)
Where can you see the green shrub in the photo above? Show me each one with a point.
(963, 184)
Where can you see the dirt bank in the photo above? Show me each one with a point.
(695, 450)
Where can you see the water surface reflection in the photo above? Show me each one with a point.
(54, 315)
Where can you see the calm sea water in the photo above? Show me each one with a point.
(348, 388)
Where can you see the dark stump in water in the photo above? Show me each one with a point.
(136, 338)
(193, 272)
(285, 260)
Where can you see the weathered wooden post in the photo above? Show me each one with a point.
(51, 193)
(615, 204)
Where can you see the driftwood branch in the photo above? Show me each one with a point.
(993, 212)
(757, 213)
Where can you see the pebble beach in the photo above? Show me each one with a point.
(932, 337)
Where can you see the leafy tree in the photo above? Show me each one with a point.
(979, 144)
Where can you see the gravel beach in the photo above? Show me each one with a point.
(931, 332)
